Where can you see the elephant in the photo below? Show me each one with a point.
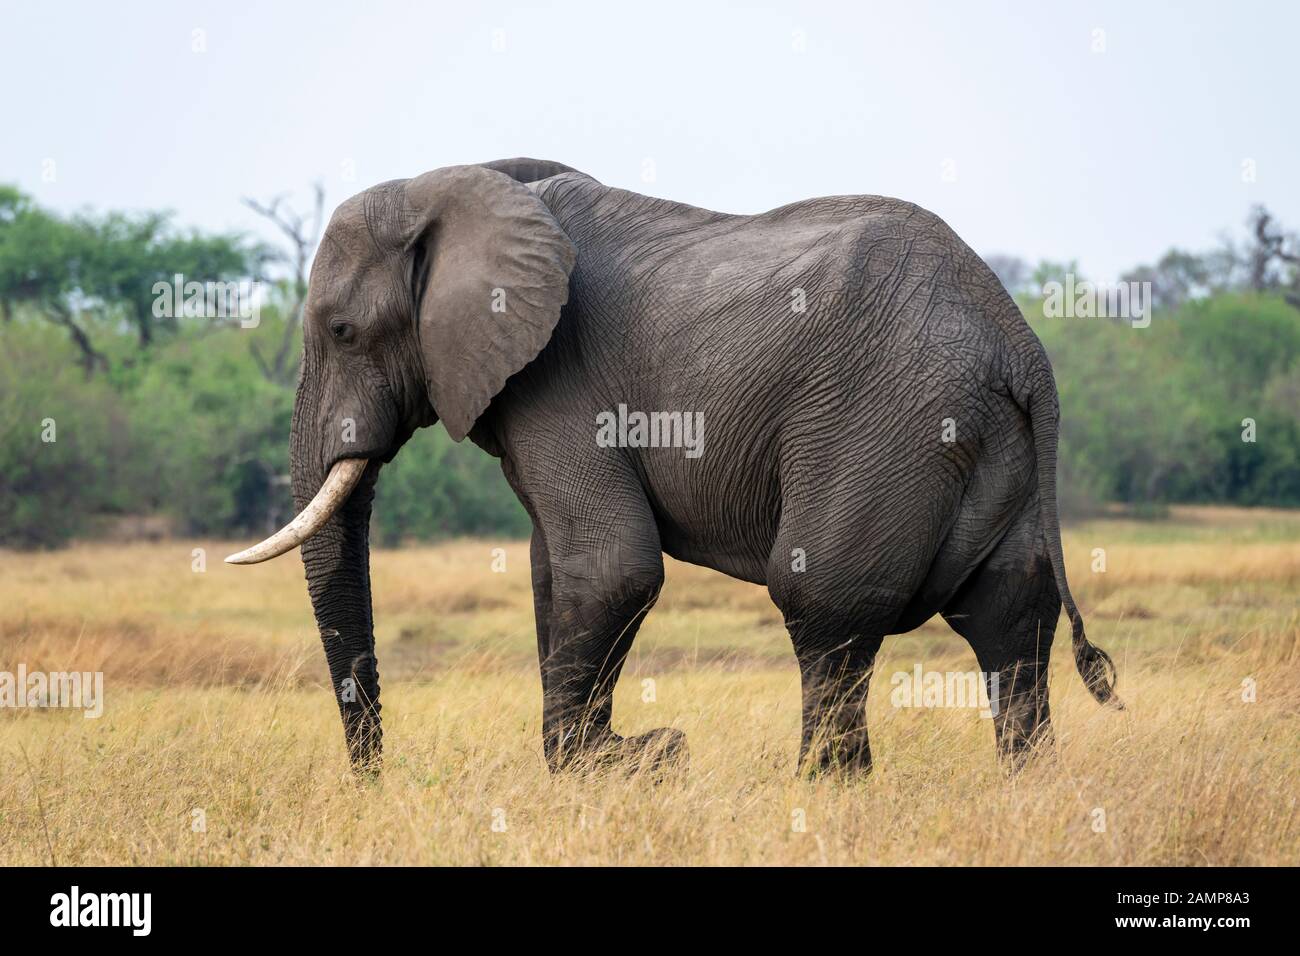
(882, 430)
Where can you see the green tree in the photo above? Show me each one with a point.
(89, 272)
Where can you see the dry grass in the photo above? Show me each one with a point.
(216, 702)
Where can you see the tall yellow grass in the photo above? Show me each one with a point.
(220, 743)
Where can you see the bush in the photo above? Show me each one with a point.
(49, 489)
(436, 488)
(217, 432)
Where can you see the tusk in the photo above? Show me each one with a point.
(343, 477)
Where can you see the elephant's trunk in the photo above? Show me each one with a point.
(337, 561)
(332, 492)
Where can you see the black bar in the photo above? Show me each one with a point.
(335, 905)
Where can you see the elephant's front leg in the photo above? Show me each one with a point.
(583, 639)
(589, 641)
(578, 678)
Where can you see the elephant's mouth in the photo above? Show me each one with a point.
(333, 493)
(344, 475)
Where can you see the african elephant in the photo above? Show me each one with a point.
(881, 433)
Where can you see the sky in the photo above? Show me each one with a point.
(1098, 132)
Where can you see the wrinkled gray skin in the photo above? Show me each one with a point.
(824, 432)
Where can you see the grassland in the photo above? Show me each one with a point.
(217, 713)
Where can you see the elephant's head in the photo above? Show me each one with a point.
(425, 296)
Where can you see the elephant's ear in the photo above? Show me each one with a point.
(490, 274)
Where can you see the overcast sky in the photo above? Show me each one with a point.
(1004, 118)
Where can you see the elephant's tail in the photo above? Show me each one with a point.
(1095, 666)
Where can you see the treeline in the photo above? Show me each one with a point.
(1201, 406)
(195, 432)
(109, 410)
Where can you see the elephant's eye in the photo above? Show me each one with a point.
(342, 331)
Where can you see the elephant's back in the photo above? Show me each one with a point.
(825, 297)
(823, 302)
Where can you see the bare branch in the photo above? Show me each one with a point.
(91, 358)
(303, 234)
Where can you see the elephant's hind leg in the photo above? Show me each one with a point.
(1008, 611)
(834, 676)
(837, 623)
(846, 563)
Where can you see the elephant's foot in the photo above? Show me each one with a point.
(1020, 748)
(654, 752)
(849, 756)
